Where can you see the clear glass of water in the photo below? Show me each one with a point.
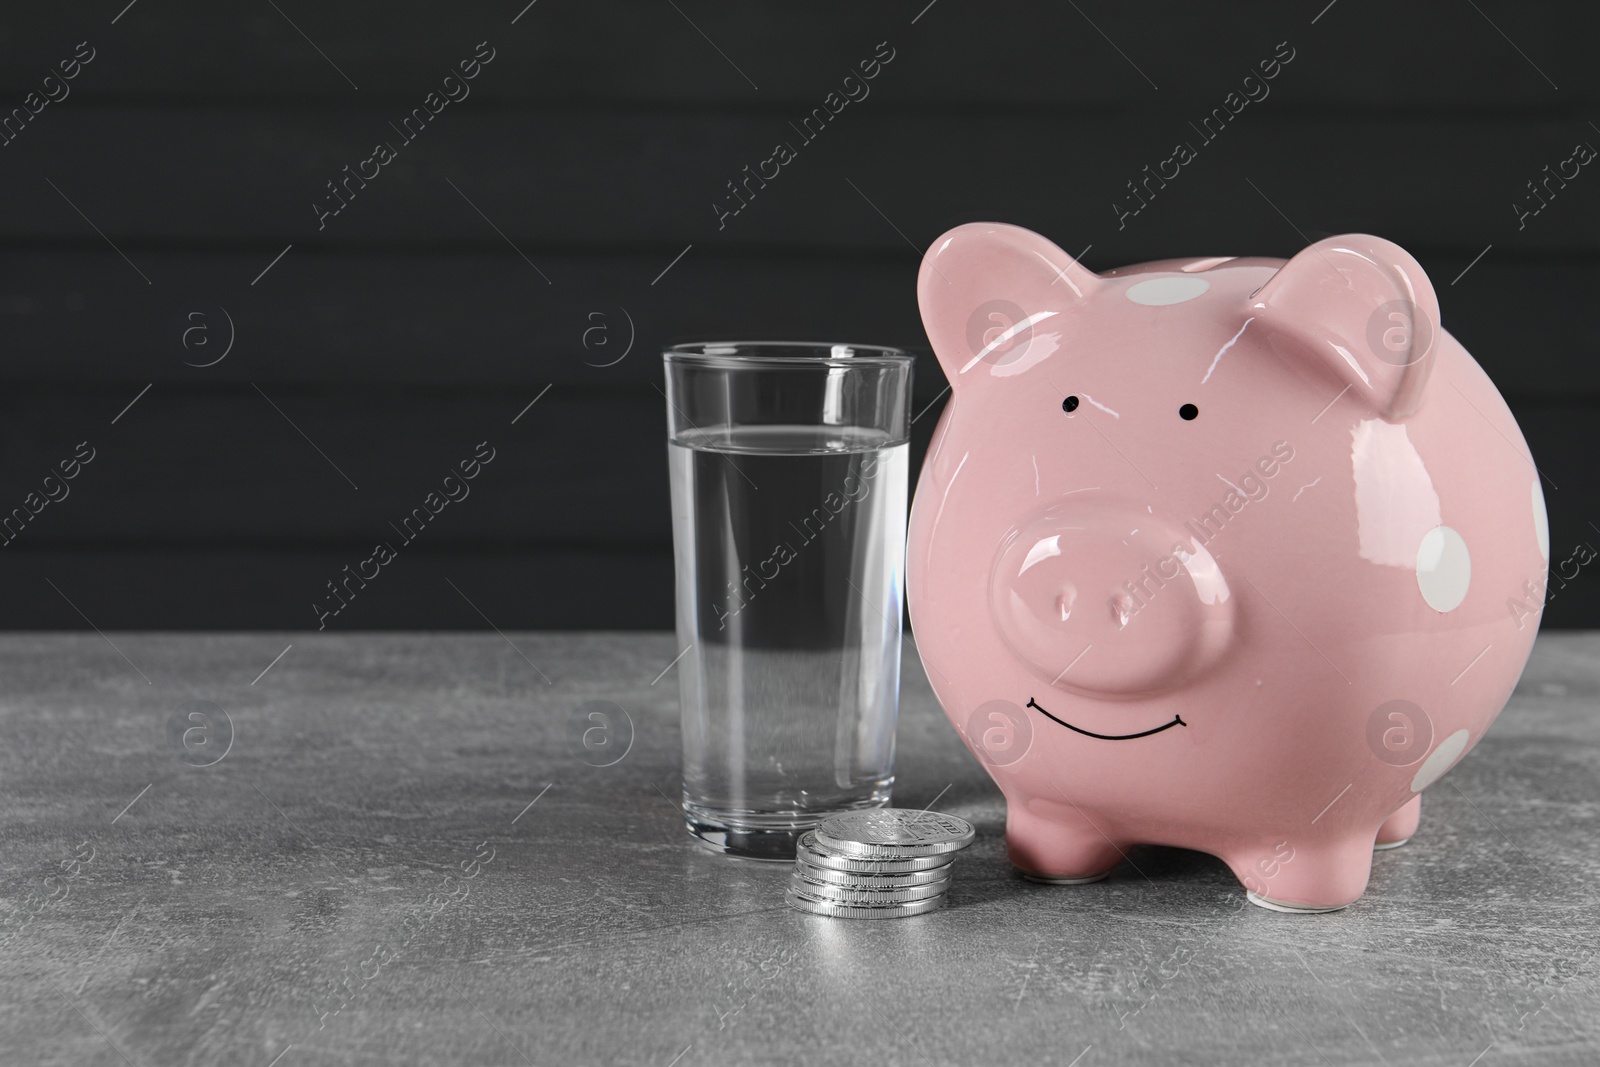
(788, 464)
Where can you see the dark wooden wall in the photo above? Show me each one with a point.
(533, 220)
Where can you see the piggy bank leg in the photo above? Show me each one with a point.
(1057, 843)
(1399, 827)
(1313, 876)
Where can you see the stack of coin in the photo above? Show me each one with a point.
(878, 863)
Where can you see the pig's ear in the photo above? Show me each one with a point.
(1364, 308)
(997, 299)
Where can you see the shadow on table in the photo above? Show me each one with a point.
(1151, 877)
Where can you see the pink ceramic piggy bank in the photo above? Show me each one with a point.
(1237, 555)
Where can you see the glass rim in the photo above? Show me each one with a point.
(707, 353)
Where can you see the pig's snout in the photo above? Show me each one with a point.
(1109, 601)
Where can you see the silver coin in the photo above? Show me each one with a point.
(839, 894)
(816, 854)
(893, 833)
(859, 880)
(821, 877)
(847, 911)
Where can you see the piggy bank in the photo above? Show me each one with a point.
(1236, 555)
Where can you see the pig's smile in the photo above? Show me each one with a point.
(1176, 721)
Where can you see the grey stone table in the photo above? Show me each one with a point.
(403, 855)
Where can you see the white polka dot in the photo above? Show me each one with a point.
(1444, 568)
(1159, 292)
(1440, 760)
(1541, 522)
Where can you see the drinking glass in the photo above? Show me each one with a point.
(788, 466)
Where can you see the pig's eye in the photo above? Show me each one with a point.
(1188, 412)
(1070, 404)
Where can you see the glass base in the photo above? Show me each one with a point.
(773, 838)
